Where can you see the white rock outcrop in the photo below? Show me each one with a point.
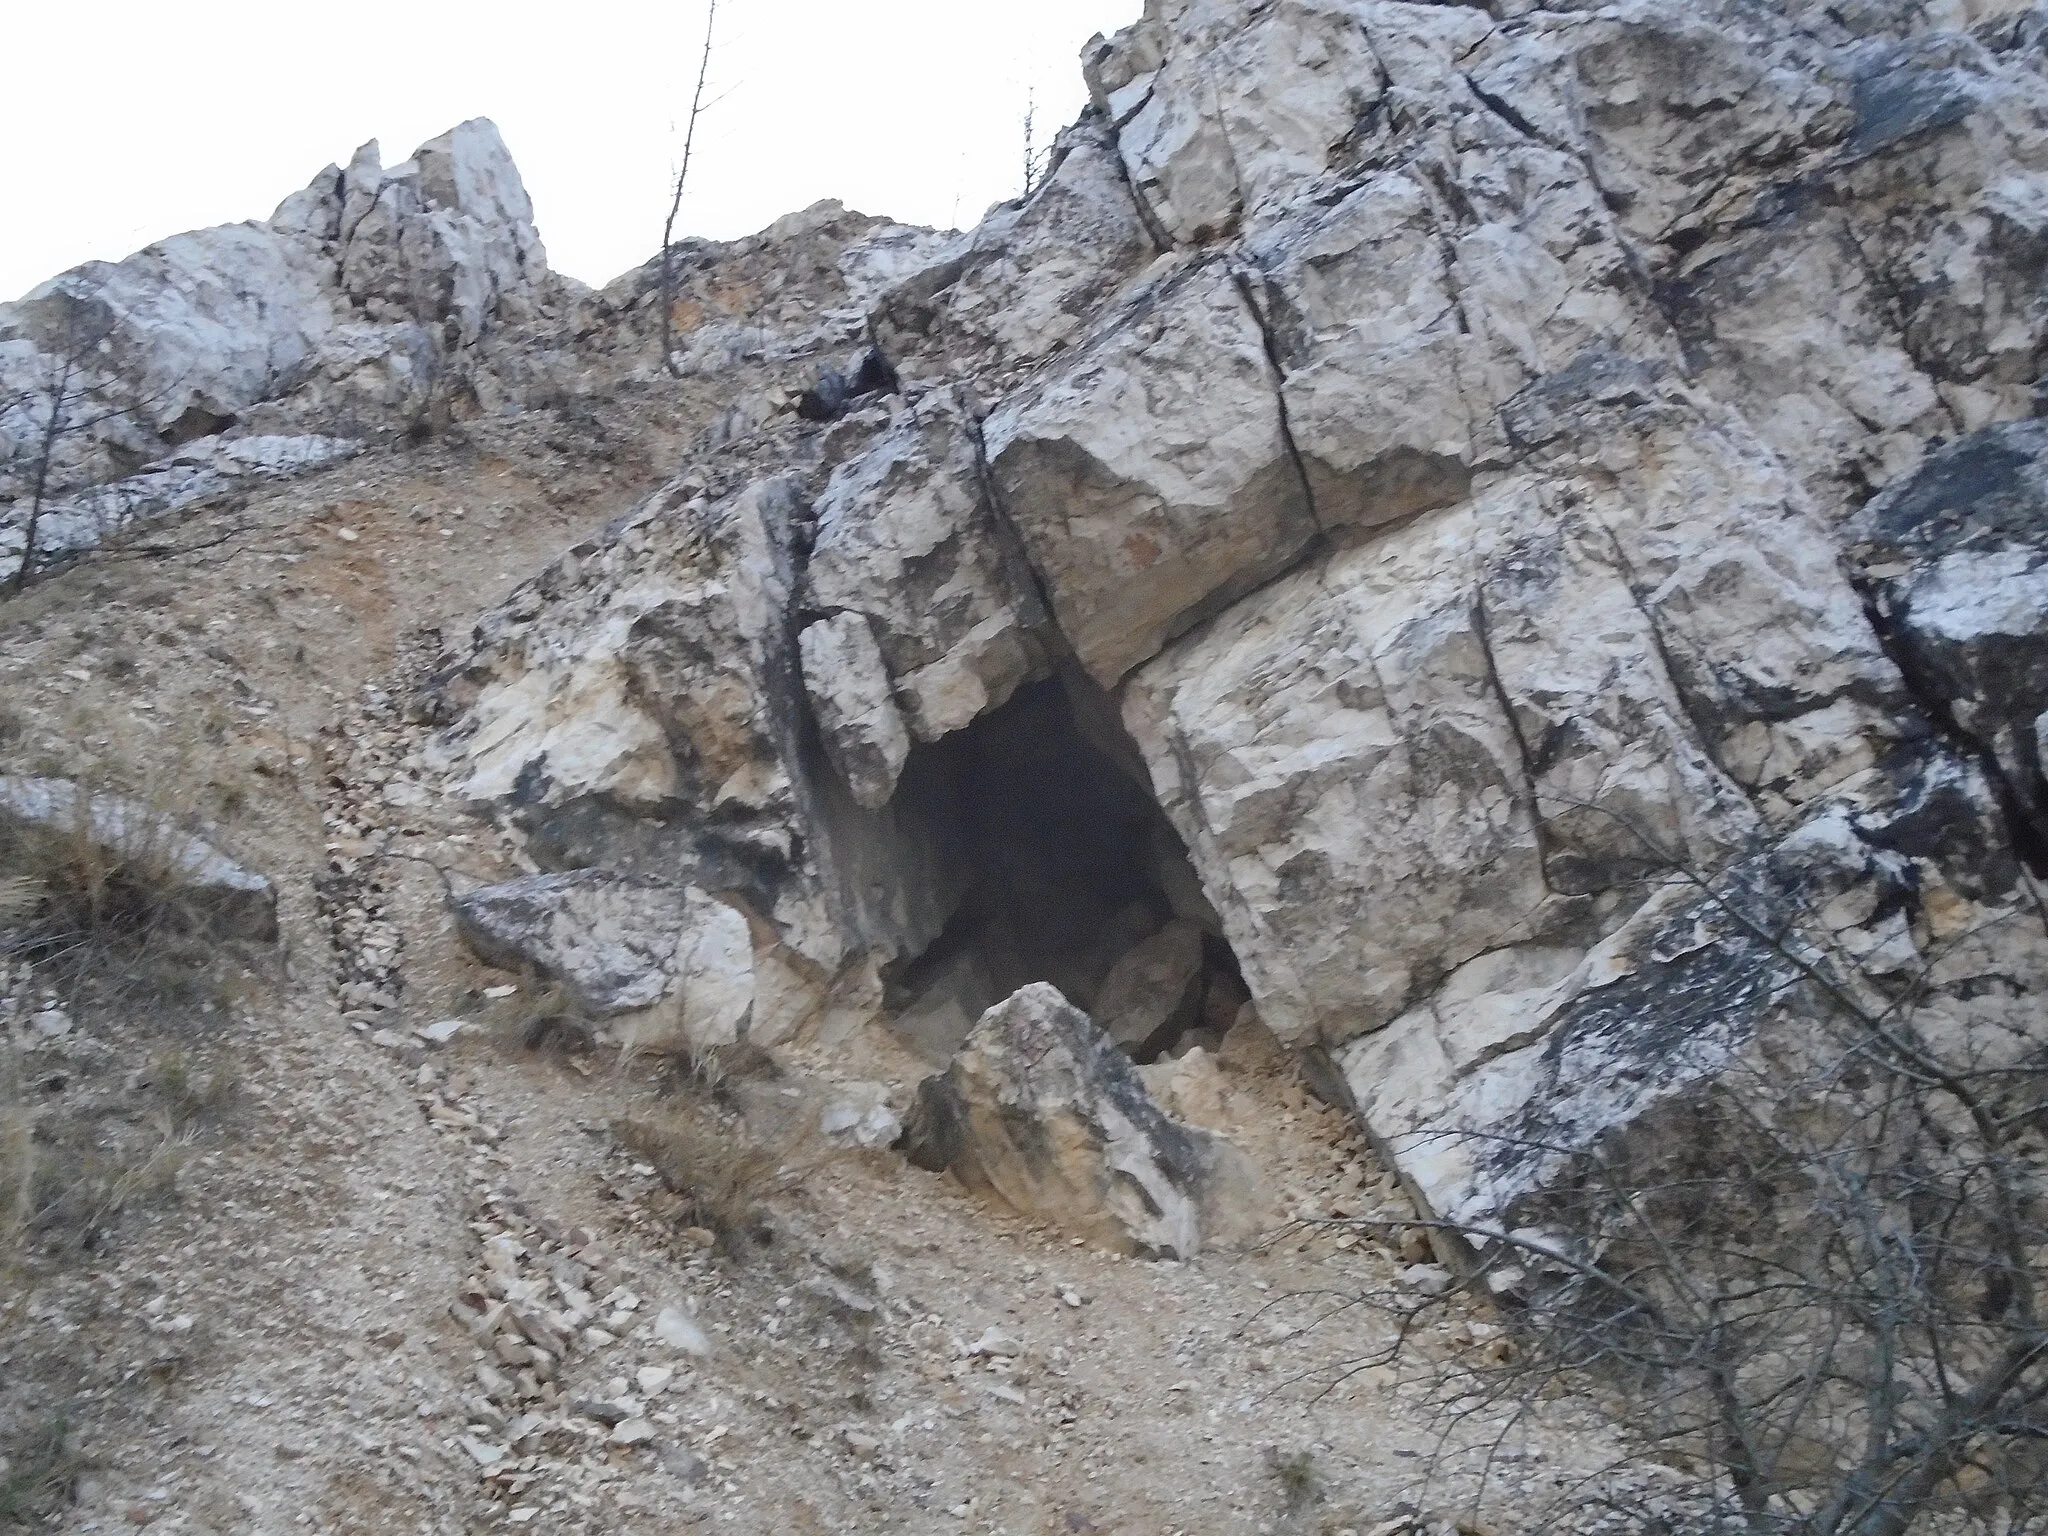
(679, 962)
(370, 300)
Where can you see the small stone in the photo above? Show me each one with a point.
(485, 1456)
(995, 1343)
(861, 1117)
(599, 1338)
(444, 1031)
(51, 1023)
(675, 1328)
(502, 1254)
(685, 1466)
(634, 1432)
(654, 1379)
(496, 1384)
(495, 993)
(1429, 1279)
(389, 1039)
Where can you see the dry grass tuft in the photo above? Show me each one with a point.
(190, 1096)
(542, 1016)
(18, 1168)
(722, 1176)
(20, 895)
(37, 1474)
(64, 1180)
(1295, 1472)
(112, 912)
(78, 1195)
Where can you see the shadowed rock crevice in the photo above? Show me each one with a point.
(1070, 874)
(1950, 579)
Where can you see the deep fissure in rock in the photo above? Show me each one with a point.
(1073, 876)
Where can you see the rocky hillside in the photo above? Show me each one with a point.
(1446, 592)
(1403, 444)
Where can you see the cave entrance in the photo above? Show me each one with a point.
(1073, 876)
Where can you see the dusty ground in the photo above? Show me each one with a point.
(297, 1331)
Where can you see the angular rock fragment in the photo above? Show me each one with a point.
(1028, 281)
(622, 944)
(1152, 992)
(51, 828)
(1040, 1108)
(857, 715)
(907, 538)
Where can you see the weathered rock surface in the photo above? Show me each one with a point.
(1040, 1108)
(58, 824)
(623, 944)
(1528, 1055)
(1028, 281)
(1956, 560)
(1151, 476)
(849, 691)
(906, 538)
(369, 298)
(198, 472)
(655, 713)
(1466, 524)
(1153, 991)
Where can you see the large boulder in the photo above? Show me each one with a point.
(1151, 476)
(1529, 1057)
(1153, 991)
(623, 944)
(1482, 729)
(1041, 1109)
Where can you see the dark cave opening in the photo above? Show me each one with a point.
(195, 423)
(1071, 874)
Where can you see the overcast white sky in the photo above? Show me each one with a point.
(130, 120)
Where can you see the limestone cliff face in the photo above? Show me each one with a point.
(1542, 499)
(1539, 507)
